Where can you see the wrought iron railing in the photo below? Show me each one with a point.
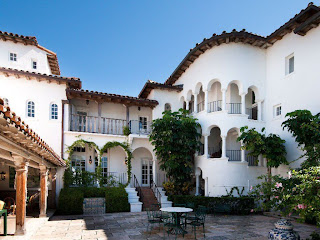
(234, 108)
(137, 186)
(92, 124)
(215, 106)
(234, 155)
(214, 152)
(200, 106)
(252, 161)
(252, 112)
(141, 128)
(156, 191)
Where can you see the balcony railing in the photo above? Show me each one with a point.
(215, 106)
(214, 152)
(91, 124)
(141, 128)
(234, 108)
(200, 106)
(252, 161)
(234, 155)
(252, 112)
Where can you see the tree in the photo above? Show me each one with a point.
(270, 147)
(305, 128)
(175, 138)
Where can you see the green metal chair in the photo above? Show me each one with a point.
(152, 220)
(194, 216)
(170, 226)
(200, 218)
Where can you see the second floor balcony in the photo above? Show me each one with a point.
(103, 125)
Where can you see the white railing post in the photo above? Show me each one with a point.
(243, 103)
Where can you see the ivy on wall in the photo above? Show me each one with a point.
(68, 175)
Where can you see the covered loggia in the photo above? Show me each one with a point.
(253, 104)
(233, 146)
(214, 96)
(215, 143)
(233, 105)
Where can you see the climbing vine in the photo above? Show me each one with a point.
(69, 178)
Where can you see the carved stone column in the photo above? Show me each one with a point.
(43, 190)
(21, 165)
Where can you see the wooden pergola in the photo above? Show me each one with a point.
(22, 148)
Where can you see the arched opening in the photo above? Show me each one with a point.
(233, 99)
(142, 166)
(191, 104)
(201, 151)
(215, 143)
(233, 146)
(200, 100)
(214, 97)
(167, 107)
(183, 103)
(251, 104)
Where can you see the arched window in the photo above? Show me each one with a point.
(167, 107)
(6, 101)
(53, 111)
(30, 109)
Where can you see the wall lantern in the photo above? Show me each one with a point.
(2, 176)
(90, 160)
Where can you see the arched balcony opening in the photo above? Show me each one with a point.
(183, 103)
(215, 97)
(253, 107)
(201, 151)
(215, 143)
(233, 151)
(191, 104)
(233, 99)
(200, 100)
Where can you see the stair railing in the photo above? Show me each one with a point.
(156, 191)
(137, 186)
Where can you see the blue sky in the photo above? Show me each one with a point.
(116, 46)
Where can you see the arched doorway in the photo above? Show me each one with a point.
(143, 166)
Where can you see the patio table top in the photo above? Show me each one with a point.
(176, 209)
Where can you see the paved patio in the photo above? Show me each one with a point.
(133, 226)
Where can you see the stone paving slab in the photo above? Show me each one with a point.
(129, 226)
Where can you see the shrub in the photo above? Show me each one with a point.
(70, 201)
(93, 192)
(232, 205)
(116, 200)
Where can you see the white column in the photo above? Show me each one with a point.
(197, 184)
(154, 172)
(224, 146)
(43, 190)
(243, 103)
(259, 111)
(243, 154)
(187, 105)
(206, 96)
(223, 102)
(206, 145)
(195, 107)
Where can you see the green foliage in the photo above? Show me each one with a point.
(231, 205)
(117, 200)
(175, 138)
(70, 201)
(298, 194)
(85, 178)
(305, 128)
(126, 130)
(171, 188)
(230, 193)
(271, 147)
(314, 236)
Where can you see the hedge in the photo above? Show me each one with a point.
(231, 205)
(117, 200)
(71, 199)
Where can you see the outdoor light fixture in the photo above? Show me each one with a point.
(90, 160)
(2, 175)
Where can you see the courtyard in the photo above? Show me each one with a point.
(134, 225)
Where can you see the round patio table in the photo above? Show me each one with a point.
(177, 212)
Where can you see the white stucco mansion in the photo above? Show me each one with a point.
(227, 81)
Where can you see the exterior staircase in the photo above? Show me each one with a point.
(148, 198)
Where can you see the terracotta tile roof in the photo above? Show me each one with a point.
(304, 21)
(108, 97)
(30, 40)
(149, 85)
(13, 128)
(70, 81)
